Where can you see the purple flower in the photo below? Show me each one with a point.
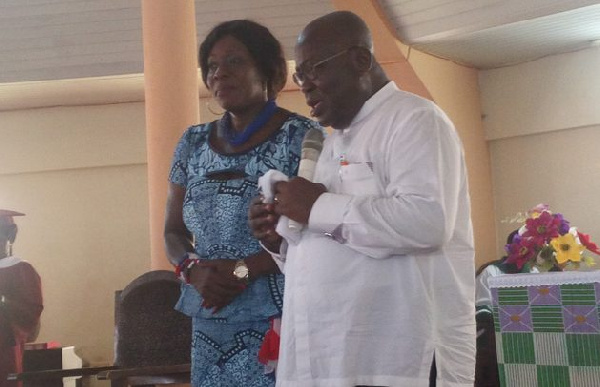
(564, 225)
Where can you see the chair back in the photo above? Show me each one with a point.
(148, 330)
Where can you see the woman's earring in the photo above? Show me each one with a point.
(9, 249)
(213, 111)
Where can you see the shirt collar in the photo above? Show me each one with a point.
(374, 102)
(9, 261)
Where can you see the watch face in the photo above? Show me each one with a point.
(241, 271)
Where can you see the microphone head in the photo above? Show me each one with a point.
(312, 145)
(313, 139)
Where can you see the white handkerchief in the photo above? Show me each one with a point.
(266, 184)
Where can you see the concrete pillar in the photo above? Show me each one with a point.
(171, 94)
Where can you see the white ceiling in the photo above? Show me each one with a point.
(494, 33)
(66, 39)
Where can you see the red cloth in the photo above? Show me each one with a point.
(269, 350)
(19, 317)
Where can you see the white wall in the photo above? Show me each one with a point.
(542, 122)
(79, 173)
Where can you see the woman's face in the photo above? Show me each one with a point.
(233, 78)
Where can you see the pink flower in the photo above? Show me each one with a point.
(537, 210)
(521, 252)
(542, 229)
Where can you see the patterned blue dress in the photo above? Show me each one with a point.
(225, 345)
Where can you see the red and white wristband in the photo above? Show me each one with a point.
(182, 270)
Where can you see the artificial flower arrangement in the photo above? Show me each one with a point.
(548, 242)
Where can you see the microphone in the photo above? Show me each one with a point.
(312, 145)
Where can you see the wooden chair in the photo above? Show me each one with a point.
(152, 340)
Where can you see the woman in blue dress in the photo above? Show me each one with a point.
(231, 286)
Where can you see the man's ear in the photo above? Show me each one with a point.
(363, 59)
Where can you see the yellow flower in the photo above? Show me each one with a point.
(567, 248)
(589, 261)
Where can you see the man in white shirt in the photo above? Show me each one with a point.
(382, 278)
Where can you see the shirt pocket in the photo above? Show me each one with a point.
(358, 179)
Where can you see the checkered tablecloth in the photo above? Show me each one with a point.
(547, 329)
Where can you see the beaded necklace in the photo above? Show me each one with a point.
(235, 138)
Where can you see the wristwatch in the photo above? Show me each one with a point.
(240, 271)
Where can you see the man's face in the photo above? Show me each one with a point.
(7, 231)
(331, 93)
(3, 235)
